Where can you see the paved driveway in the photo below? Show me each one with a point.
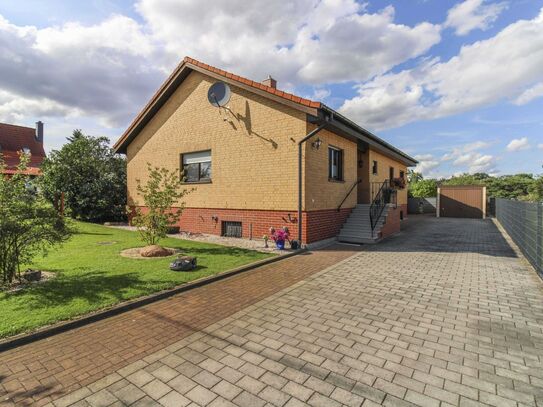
(443, 314)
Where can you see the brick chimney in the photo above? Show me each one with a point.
(272, 83)
(39, 132)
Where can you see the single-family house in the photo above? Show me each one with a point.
(15, 140)
(266, 159)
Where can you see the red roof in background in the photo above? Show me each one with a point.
(14, 139)
(257, 85)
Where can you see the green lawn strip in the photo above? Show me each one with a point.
(91, 274)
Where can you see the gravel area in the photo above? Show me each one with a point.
(255, 244)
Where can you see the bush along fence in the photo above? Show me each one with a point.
(523, 221)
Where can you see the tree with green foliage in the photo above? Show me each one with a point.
(28, 223)
(91, 176)
(413, 176)
(424, 188)
(160, 194)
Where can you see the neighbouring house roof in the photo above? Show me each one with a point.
(13, 140)
(314, 109)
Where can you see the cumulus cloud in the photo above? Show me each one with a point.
(96, 70)
(540, 146)
(469, 157)
(427, 163)
(518, 144)
(529, 94)
(473, 14)
(483, 73)
(307, 41)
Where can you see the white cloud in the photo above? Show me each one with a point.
(427, 163)
(529, 94)
(98, 70)
(469, 157)
(473, 14)
(306, 41)
(518, 144)
(540, 146)
(482, 74)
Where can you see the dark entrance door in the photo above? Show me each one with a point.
(362, 166)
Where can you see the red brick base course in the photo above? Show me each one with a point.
(316, 225)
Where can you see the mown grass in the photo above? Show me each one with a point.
(91, 274)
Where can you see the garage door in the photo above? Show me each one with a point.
(462, 201)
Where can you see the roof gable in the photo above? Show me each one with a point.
(182, 71)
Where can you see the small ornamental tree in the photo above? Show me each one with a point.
(29, 225)
(160, 193)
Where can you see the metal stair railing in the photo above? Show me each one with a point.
(381, 199)
(348, 193)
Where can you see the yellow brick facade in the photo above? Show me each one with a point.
(384, 163)
(253, 147)
(254, 152)
(321, 193)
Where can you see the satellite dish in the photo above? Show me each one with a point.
(219, 94)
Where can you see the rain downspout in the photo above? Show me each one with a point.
(300, 181)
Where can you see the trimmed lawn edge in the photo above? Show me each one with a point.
(125, 306)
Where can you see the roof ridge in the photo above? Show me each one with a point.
(16, 125)
(259, 85)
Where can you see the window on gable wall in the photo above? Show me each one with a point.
(374, 168)
(196, 166)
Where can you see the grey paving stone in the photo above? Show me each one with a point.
(445, 313)
(174, 399)
(201, 395)
(226, 390)
(156, 389)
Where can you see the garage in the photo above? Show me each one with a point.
(461, 201)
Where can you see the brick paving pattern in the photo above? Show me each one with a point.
(444, 314)
(37, 373)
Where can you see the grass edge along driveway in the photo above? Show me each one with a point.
(91, 275)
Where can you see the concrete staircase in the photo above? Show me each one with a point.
(357, 228)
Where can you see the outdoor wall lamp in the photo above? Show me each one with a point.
(316, 144)
(215, 218)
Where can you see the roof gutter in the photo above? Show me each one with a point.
(313, 132)
(348, 126)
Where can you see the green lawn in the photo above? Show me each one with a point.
(92, 275)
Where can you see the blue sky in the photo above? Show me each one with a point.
(457, 84)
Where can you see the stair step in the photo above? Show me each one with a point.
(359, 240)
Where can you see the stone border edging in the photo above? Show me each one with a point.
(57, 328)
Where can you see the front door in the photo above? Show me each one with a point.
(362, 168)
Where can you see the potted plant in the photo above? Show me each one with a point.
(398, 183)
(279, 237)
(266, 238)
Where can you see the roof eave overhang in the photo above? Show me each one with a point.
(348, 129)
(170, 86)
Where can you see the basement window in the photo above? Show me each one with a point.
(335, 164)
(231, 229)
(196, 166)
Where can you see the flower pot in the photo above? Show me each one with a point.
(280, 244)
